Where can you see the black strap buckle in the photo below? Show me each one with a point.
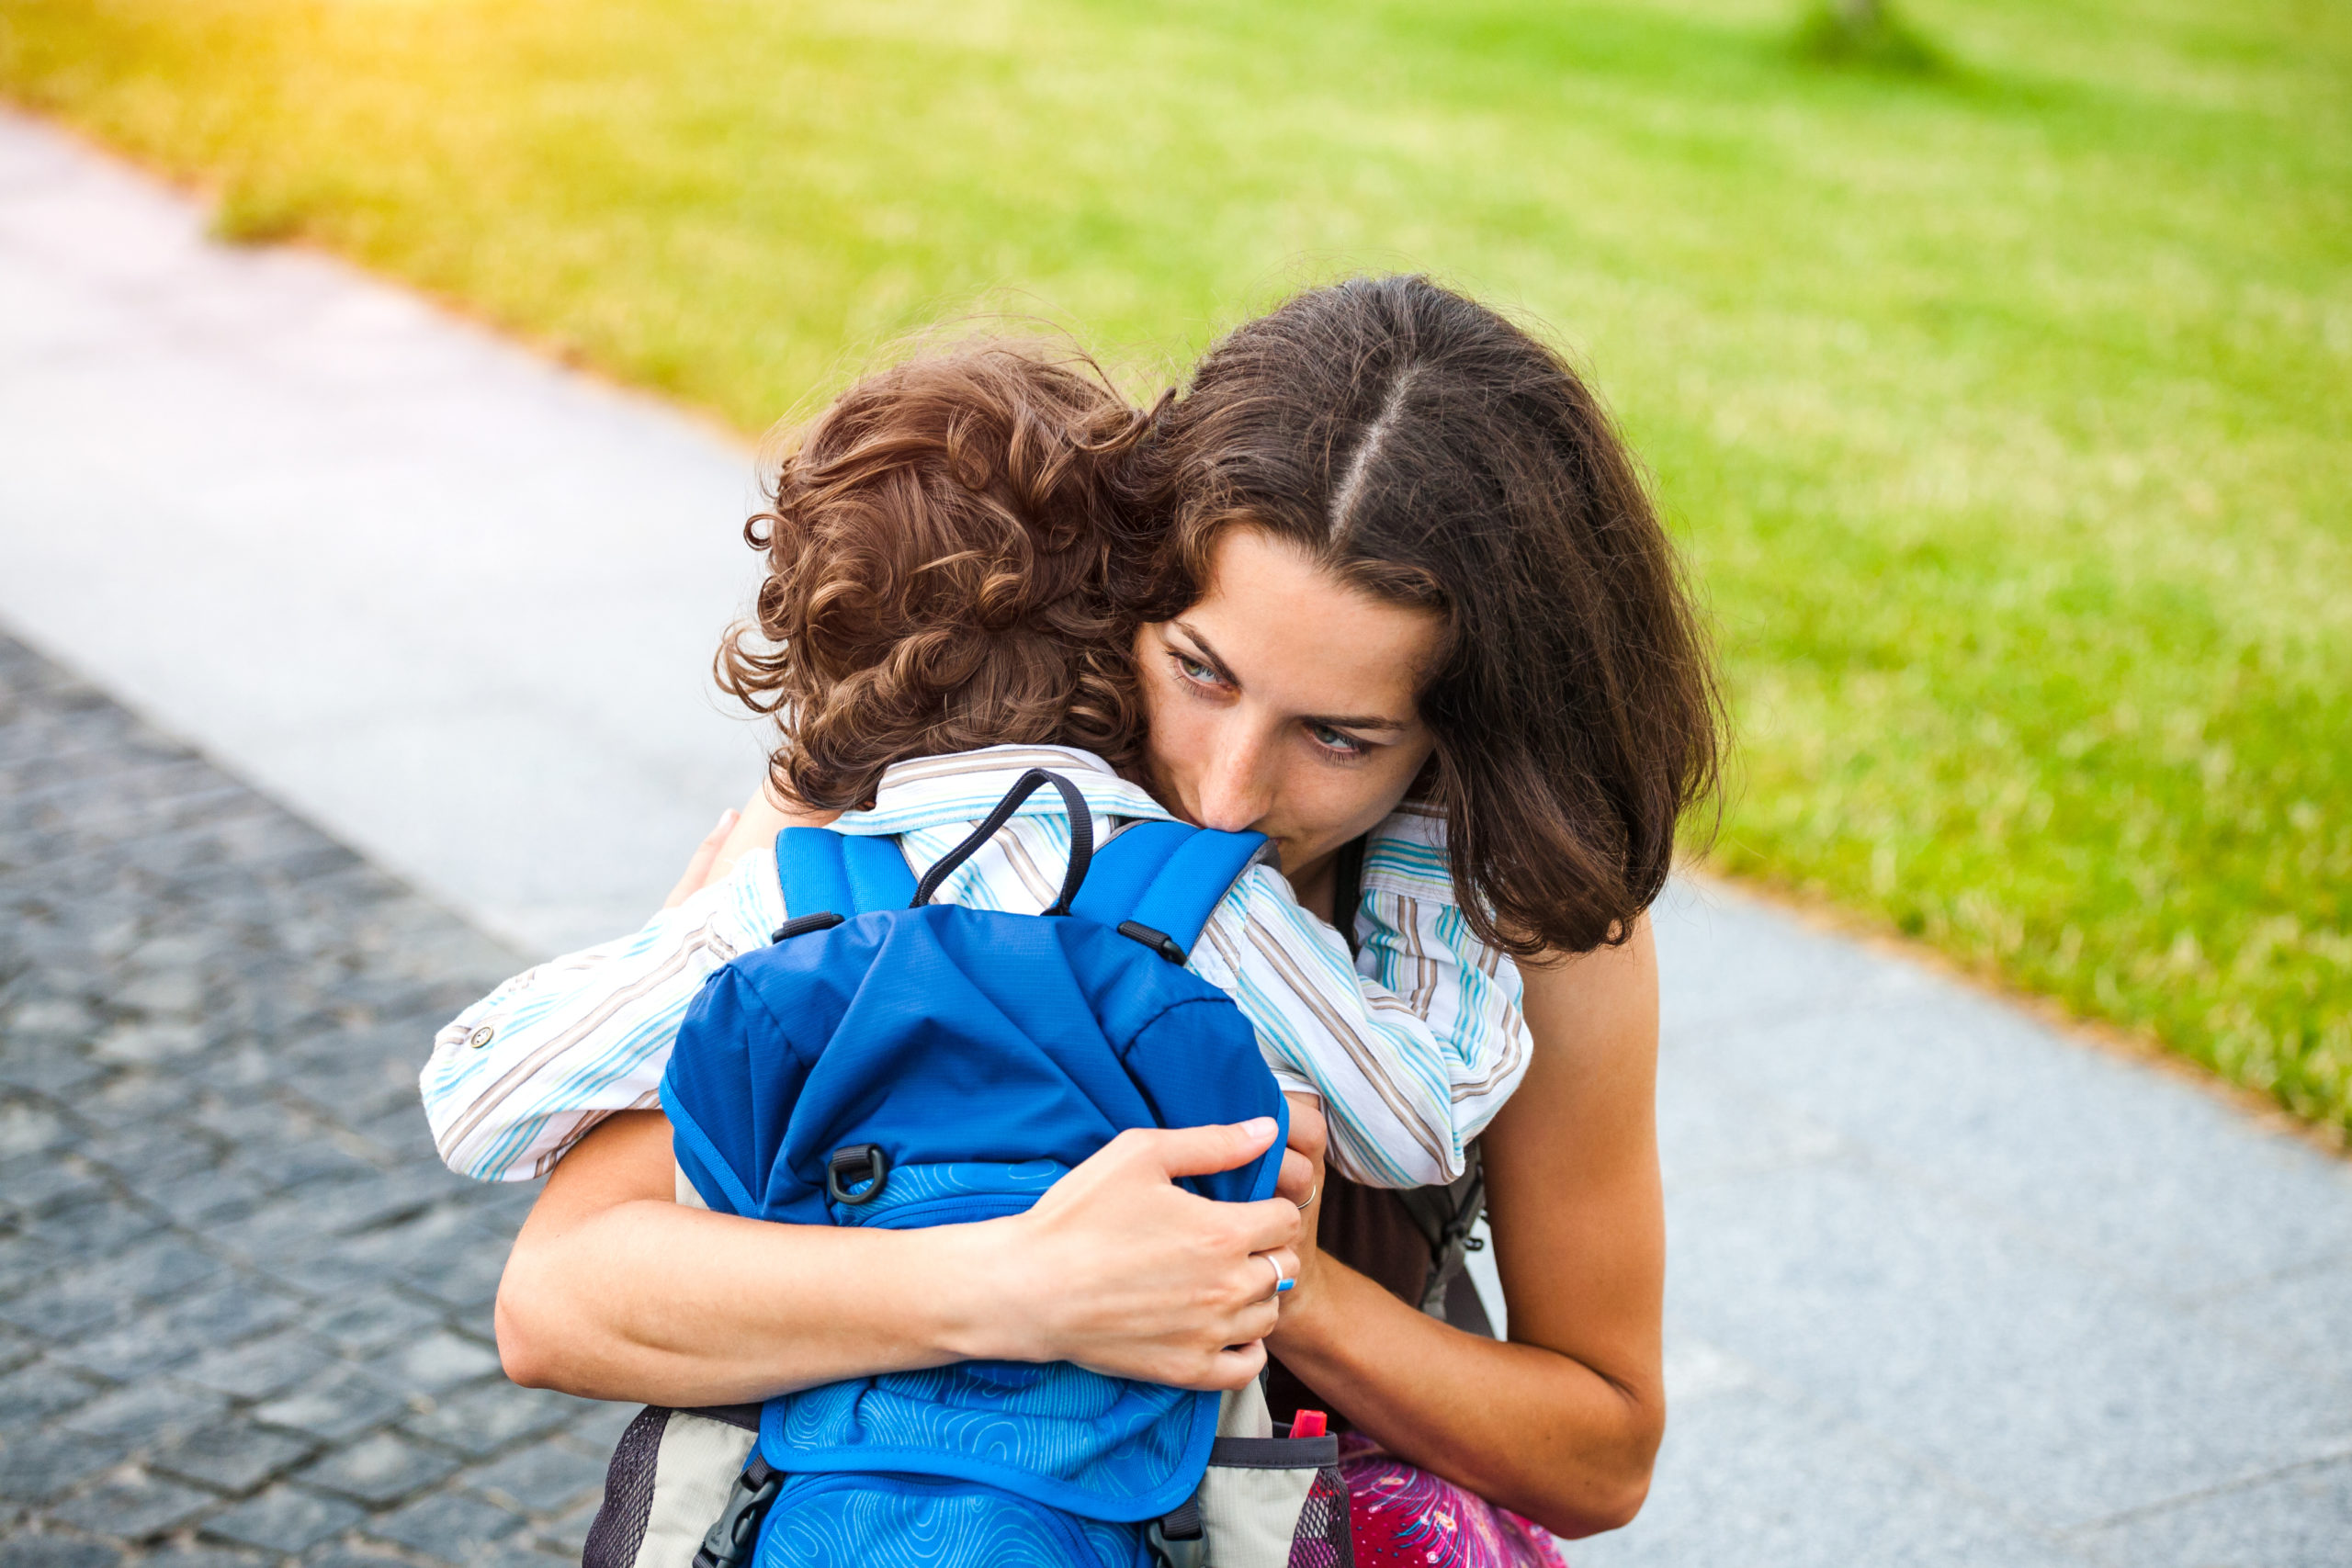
(729, 1541)
(822, 920)
(854, 1163)
(1445, 1217)
(1160, 943)
(1178, 1539)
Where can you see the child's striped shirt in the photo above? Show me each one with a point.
(1412, 1048)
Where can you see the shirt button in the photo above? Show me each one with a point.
(481, 1037)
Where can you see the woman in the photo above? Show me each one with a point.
(1386, 550)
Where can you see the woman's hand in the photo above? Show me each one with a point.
(1302, 1183)
(740, 833)
(1120, 1270)
(615, 1292)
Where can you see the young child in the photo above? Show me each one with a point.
(935, 621)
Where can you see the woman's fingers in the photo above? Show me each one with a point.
(1296, 1183)
(1119, 1269)
(1262, 1228)
(1235, 1366)
(1175, 1152)
(756, 827)
(1271, 1273)
(1302, 1173)
(1309, 1133)
(699, 866)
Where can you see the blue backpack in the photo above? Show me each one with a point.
(889, 1061)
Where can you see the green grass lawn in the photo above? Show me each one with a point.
(2006, 411)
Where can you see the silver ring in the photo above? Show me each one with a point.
(1282, 1281)
(1313, 1193)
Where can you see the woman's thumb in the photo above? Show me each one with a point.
(1200, 1151)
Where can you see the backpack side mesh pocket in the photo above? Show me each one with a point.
(1266, 1501)
(1324, 1536)
(670, 1477)
(1264, 1498)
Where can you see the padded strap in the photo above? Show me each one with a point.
(1445, 1216)
(844, 873)
(1166, 876)
(1123, 870)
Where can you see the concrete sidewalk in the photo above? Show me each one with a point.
(457, 605)
(1947, 1288)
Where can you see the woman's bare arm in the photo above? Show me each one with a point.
(615, 1292)
(1561, 1423)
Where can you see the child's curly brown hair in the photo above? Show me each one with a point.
(937, 566)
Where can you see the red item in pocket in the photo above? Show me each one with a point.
(1309, 1424)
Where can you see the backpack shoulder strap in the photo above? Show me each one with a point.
(1164, 879)
(1445, 1216)
(822, 872)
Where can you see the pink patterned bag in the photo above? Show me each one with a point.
(1402, 1516)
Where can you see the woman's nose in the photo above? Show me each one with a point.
(1234, 788)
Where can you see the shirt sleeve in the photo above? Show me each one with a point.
(1415, 942)
(521, 1075)
(1409, 1074)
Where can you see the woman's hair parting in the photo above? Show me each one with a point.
(936, 574)
(1431, 453)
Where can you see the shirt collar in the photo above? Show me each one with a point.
(962, 787)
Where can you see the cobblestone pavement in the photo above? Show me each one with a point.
(245, 1313)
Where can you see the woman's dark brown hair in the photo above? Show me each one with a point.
(1430, 453)
(936, 579)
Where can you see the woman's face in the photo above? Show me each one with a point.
(1283, 701)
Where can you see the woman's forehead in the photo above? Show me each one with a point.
(1290, 631)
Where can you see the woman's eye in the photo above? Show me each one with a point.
(1192, 670)
(1331, 739)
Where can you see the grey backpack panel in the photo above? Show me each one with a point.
(674, 1470)
(669, 1480)
(1263, 1497)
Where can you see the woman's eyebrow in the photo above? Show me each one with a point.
(1208, 650)
(1330, 721)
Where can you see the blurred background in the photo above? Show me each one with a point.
(1991, 360)
(1994, 371)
